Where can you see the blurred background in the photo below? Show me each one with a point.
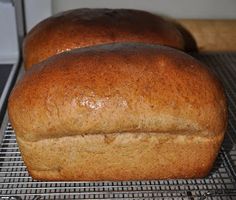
(200, 9)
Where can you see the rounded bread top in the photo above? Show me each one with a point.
(116, 88)
(86, 27)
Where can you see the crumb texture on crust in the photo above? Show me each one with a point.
(121, 156)
(86, 27)
(126, 87)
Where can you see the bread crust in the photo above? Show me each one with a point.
(86, 27)
(126, 87)
(121, 156)
(123, 100)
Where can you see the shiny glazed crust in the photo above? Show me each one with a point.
(132, 109)
(87, 27)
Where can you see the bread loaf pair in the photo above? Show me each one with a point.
(124, 111)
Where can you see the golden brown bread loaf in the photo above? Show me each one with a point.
(87, 27)
(122, 111)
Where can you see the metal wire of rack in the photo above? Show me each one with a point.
(15, 182)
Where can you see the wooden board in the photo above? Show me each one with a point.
(212, 35)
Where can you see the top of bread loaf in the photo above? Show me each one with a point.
(87, 27)
(116, 88)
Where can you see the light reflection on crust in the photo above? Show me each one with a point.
(100, 103)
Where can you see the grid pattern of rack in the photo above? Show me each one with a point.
(15, 182)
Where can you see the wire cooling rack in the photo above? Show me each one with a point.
(15, 182)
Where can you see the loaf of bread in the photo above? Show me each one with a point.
(122, 111)
(87, 27)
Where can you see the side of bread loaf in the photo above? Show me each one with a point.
(87, 27)
(132, 109)
(121, 156)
